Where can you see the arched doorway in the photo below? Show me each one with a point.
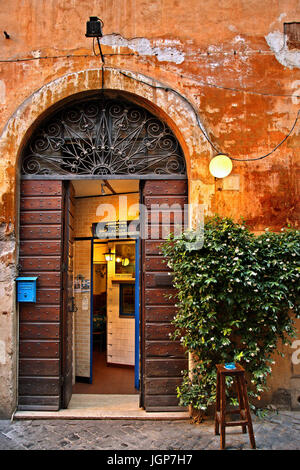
(105, 138)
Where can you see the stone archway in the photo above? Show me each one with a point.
(169, 107)
(103, 135)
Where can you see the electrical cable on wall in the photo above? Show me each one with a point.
(94, 30)
(179, 94)
(167, 89)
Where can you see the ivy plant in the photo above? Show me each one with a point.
(237, 298)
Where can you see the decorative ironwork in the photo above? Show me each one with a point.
(103, 137)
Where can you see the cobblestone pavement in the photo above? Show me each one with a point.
(276, 432)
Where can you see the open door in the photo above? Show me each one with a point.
(163, 358)
(40, 323)
(68, 305)
(83, 299)
(137, 316)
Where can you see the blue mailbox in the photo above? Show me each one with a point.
(26, 289)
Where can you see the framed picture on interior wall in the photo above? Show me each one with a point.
(127, 298)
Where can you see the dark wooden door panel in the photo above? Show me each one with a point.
(164, 349)
(165, 367)
(38, 349)
(152, 247)
(47, 279)
(41, 231)
(158, 331)
(159, 313)
(174, 216)
(39, 331)
(40, 203)
(164, 386)
(158, 279)
(33, 402)
(163, 187)
(34, 313)
(40, 188)
(39, 386)
(163, 358)
(41, 218)
(40, 263)
(156, 264)
(34, 248)
(174, 202)
(161, 402)
(48, 296)
(39, 367)
(159, 296)
(163, 230)
(33, 232)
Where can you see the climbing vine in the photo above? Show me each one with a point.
(237, 298)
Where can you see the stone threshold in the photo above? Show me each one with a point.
(88, 406)
(101, 414)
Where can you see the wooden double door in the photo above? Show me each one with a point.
(45, 327)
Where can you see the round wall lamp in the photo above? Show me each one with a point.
(220, 166)
(109, 256)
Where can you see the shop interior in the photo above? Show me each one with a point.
(104, 285)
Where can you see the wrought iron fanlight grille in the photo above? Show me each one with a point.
(103, 137)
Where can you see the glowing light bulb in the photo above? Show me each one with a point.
(220, 166)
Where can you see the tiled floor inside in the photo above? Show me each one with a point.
(103, 402)
(108, 379)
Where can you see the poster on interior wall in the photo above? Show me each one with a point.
(81, 284)
(85, 285)
(85, 302)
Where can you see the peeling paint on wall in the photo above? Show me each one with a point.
(2, 353)
(165, 51)
(286, 57)
(2, 92)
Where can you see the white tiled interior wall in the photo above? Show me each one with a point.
(120, 331)
(82, 314)
(88, 211)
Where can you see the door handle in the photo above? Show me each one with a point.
(72, 307)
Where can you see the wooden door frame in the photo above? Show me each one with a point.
(172, 358)
(141, 284)
(66, 375)
(141, 294)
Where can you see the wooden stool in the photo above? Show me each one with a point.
(220, 417)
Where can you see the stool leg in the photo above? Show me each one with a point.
(241, 400)
(217, 431)
(248, 415)
(223, 410)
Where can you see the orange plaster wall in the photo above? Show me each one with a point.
(219, 55)
(196, 47)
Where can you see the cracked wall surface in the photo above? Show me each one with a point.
(226, 60)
